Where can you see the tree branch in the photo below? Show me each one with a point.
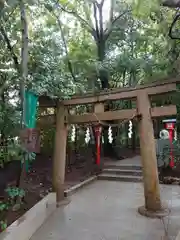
(24, 64)
(171, 3)
(11, 13)
(25, 42)
(108, 31)
(100, 7)
(74, 13)
(65, 45)
(66, 49)
(3, 87)
(101, 3)
(10, 48)
(177, 17)
(96, 21)
(111, 10)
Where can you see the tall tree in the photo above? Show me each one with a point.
(91, 15)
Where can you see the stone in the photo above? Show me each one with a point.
(154, 214)
(64, 202)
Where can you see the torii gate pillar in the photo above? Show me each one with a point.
(59, 160)
(153, 206)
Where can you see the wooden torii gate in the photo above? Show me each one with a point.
(145, 113)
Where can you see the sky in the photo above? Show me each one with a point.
(67, 19)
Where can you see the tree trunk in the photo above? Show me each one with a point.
(2, 130)
(24, 73)
(3, 139)
(103, 73)
(108, 148)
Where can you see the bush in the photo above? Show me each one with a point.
(9, 202)
(164, 149)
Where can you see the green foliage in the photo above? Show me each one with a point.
(3, 225)
(47, 140)
(3, 206)
(164, 152)
(3, 156)
(143, 8)
(14, 192)
(15, 151)
(8, 204)
(8, 119)
(136, 49)
(12, 151)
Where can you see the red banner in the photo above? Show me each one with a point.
(98, 147)
(170, 127)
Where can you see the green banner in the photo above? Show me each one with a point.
(30, 110)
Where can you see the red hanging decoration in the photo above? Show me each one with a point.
(170, 127)
(98, 130)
